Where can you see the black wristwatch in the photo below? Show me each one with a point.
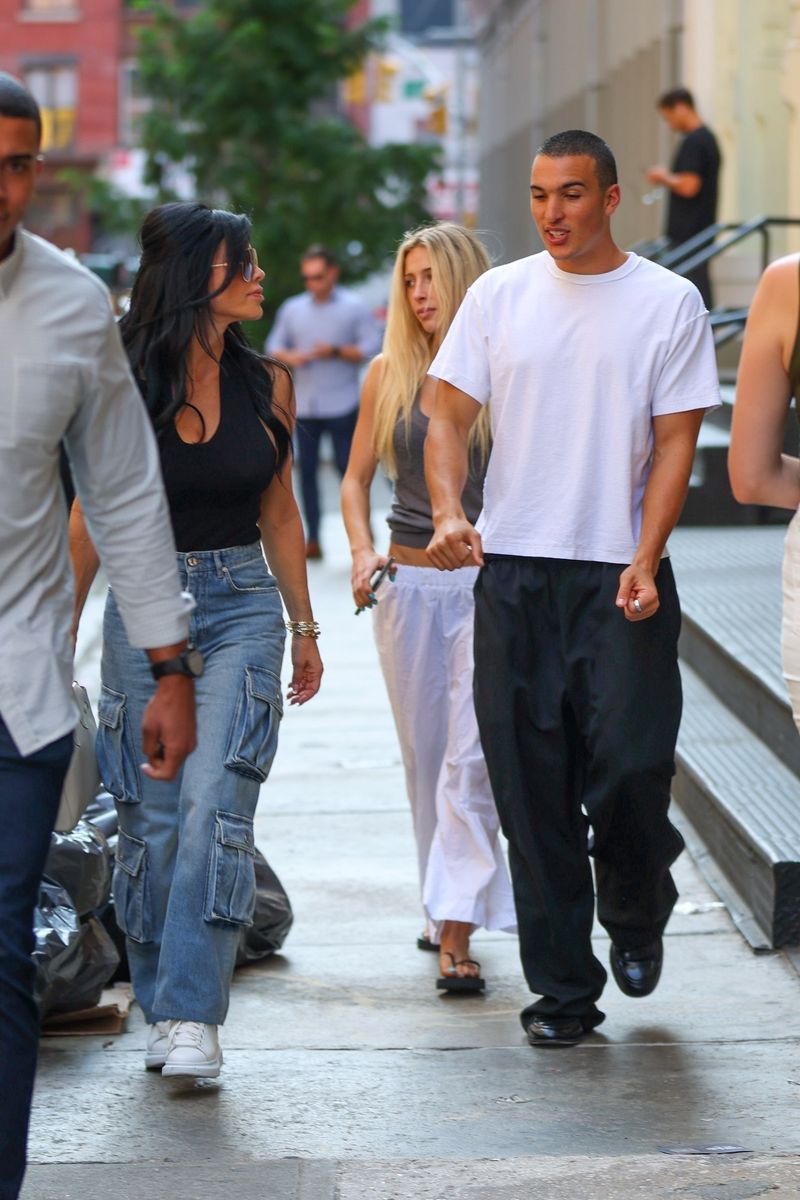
(189, 662)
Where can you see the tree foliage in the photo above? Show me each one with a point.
(244, 98)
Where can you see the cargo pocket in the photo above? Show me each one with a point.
(231, 882)
(116, 748)
(253, 737)
(130, 887)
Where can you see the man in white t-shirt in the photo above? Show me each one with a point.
(599, 366)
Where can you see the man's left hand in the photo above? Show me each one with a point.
(168, 727)
(637, 595)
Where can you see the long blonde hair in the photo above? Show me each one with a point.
(457, 258)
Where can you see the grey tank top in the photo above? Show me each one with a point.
(410, 517)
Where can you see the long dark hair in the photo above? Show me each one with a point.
(170, 305)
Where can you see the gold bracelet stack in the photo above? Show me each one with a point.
(304, 628)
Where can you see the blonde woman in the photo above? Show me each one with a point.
(423, 619)
(768, 377)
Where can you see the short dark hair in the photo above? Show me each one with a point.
(674, 97)
(317, 250)
(17, 101)
(578, 141)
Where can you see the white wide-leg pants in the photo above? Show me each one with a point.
(423, 626)
(790, 631)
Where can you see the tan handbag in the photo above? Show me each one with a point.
(83, 778)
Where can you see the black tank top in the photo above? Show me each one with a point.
(214, 488)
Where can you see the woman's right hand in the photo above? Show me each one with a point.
(365, 564)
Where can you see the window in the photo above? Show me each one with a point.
(55, 88)
(55, 10)
(133, 104)
(421, 15)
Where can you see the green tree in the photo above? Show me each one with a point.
(244, 94)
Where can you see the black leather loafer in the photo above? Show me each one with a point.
(637, 971)
(555, 1031)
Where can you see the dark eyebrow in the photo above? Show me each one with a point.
(564, 186)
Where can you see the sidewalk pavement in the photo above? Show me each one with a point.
(347, 1075)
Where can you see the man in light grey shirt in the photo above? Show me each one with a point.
(324, 335)
(64, 378)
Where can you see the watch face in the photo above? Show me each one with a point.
(194, 660)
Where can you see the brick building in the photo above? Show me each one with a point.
(77, 57)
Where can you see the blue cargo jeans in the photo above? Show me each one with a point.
(184, 879)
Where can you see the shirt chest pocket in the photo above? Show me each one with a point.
(44, 398)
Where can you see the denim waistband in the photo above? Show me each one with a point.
(213, 561)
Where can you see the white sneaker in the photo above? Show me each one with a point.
(193, 1049)
(156, 1053)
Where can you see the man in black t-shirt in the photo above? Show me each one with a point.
(692, 178)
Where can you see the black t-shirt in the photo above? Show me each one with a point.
(699, 154)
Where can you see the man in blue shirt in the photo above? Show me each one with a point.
(324, 335)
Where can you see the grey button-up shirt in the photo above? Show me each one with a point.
(64, 377)
(327, 387)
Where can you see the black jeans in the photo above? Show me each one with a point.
(309, 435)
(30, 788)
(578, 711)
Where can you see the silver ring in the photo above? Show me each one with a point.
(637, 605)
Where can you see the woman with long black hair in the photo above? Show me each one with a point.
(184, 880)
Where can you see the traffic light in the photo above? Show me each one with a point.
(355, 87)
(384, 80)
(437, 117)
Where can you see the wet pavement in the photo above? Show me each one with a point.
(347, 1075)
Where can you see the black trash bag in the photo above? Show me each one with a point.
(80, 861)
(57, 951)
(101, 812)
(74, 959)
(272, 917)
(108, 919)
(98, 961)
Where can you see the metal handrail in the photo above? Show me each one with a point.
(692, 257)
(674, 254)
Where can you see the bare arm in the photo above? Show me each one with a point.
(684, 183)
(674, 441)
(361, 467)
(284, 546)
(85, 561)
(760, 473)
(446, 464)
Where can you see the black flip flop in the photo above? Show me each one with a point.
(425, 943)
(461, 983)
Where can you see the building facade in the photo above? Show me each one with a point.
(78, 59)
(601, 64)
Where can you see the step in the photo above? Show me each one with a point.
(730, 589)
(742, 802)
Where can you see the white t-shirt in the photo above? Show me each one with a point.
(576, 367)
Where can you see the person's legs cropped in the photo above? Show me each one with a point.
(536, 765)
(307, 438)
(593, 705)
(790, 628)
(423, 630)
(408, 636)
(341, 430)
(625, 687)
(30, 788)
(466, 879)
(184, 881)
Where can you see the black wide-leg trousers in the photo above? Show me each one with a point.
(578, 711)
